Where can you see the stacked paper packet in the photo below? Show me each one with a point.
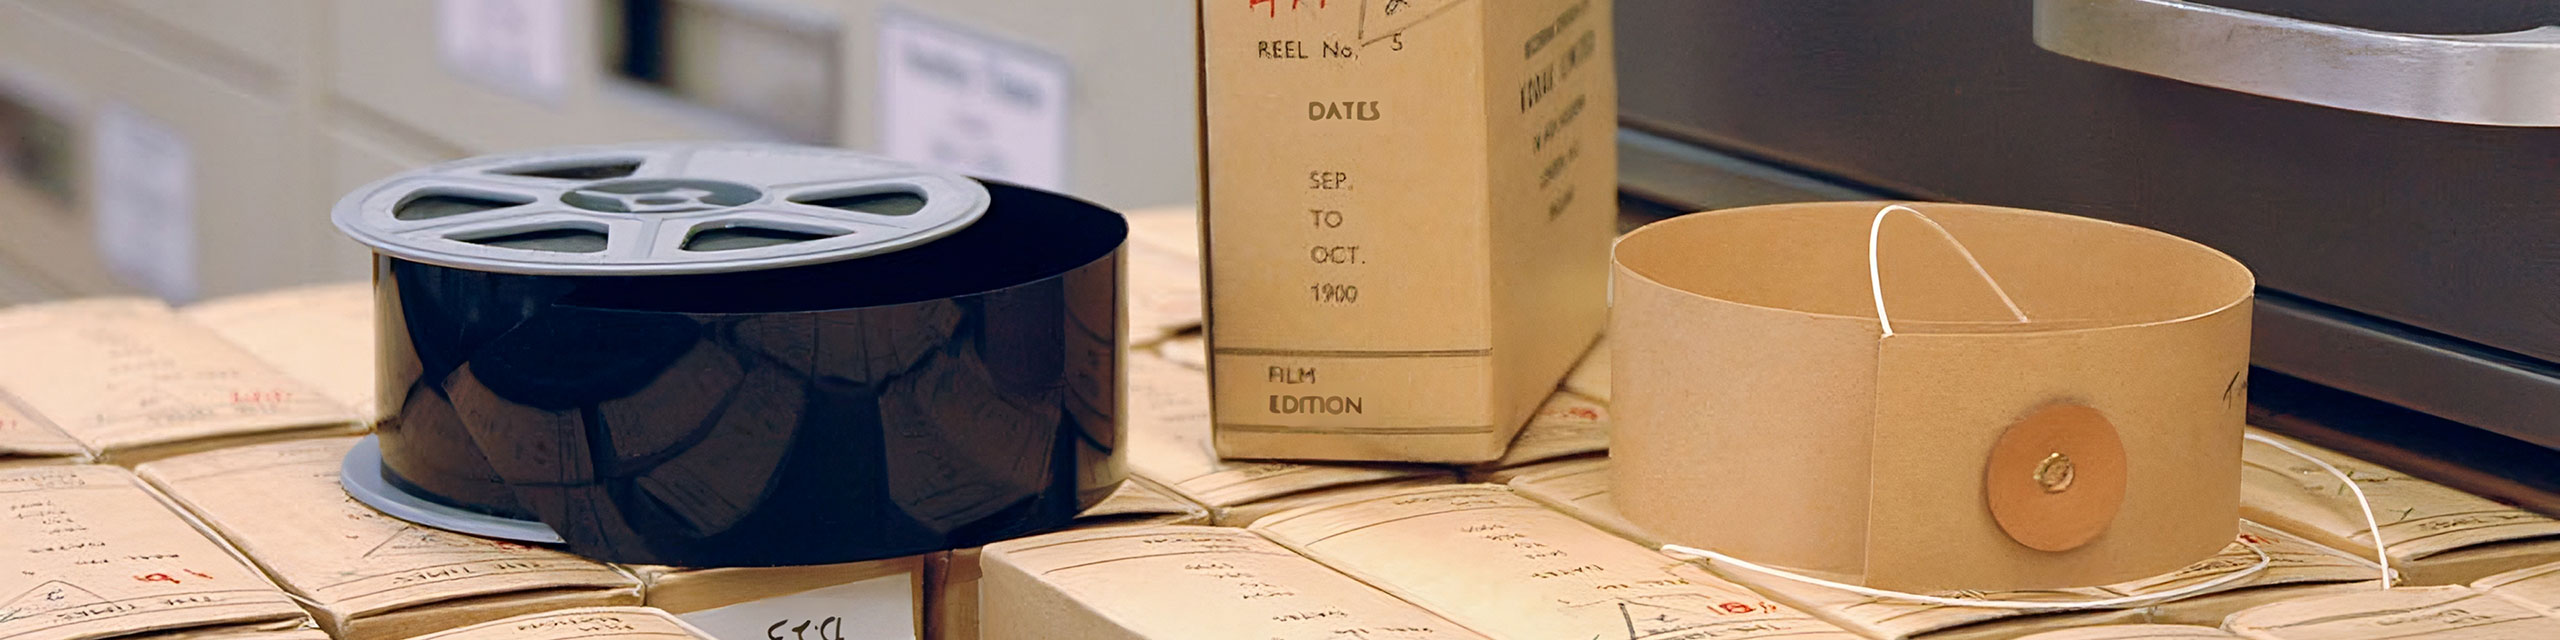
(91, 553)
(1161, 583)
(2136, 632)
(365, 575)
(590, 623)
(2537, 588)
(1567, 427)
(2433, 533)
(131, 381)
(2432, 613)
(2296, 568)
(321, 335)
(954, 576)
(1169, 443)
(871, 599)
(28, 440)
(1509, 568)
(1164, 274)
(1590, 377)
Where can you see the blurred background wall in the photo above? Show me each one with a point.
(190, 148)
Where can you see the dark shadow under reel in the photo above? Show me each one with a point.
(737, 354)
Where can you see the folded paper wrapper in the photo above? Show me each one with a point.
(2296, 568)
(589, 623)
(93, 553)
(1763, 411)
(2434, 534)
(2433, 613)
(1184, 582)
(2537, 588)
(954, 575)
(2136, 632)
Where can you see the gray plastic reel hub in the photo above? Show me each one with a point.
(361, 475)
(658, 209)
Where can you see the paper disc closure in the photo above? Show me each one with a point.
(1946, 397)
(2055, 480)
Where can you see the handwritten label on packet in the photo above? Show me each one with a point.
(1510, 568)
(2434, 613)
(90, 553)
(23, 437)
(126, 374)
(881, 608)
(1171, 582)
(593, 623)
(1169, 442)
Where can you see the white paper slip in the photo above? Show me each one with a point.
(518, 46)
(971, 103)
(144, 185)
(881, 608)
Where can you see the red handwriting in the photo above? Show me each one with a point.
(260, 397)
(1275, 5)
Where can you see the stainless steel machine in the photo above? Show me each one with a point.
(2390, 168)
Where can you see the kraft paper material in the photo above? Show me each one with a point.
(368, 576)
(1509, 568)
(1164, 274)
(1185, 583)
(2296, 568)
(321, 335)
(28, 440)
(1369, 299)
(2537, 588)
(588, 623)
(1568, 425)
(2433, 613)
(1170, 444)
(2136, 632)
(2434, 534)
(132, 381)
(91, 553)
(1762, 410)
(952, 576)
(1590, 377)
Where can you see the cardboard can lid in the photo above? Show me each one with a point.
(1815, 387)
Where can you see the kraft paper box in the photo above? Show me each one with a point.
(589, 623)
(1506, 567)
(2432, 613)
(321, 335)
(2056, 402)
(2296, 568)
(1169, 443)
(1567, 426)
(871, 599)
(1407, 221)
(27, 440)
(952, 576)
(90, 553)
(2537, 588)
(2433, 533)
(2136, 632)
(365, 575)
(1184, 583)
(132, 381)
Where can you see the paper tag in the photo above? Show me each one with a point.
(881, 608)
(970, 103)
(520, 46)
(145, 202)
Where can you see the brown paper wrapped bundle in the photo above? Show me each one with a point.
(2054, 401)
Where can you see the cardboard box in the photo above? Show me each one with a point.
(2056, 401)
(1567, 426)
(27, 440)
(1507, 567)
(133, 381)
(93, 554)
(874, 599)
(1408, 213)
(321, 335)
(2296, 568)
(2135, 632)
(1186, 350)
(1169, 443)
(2433, 533)
(2536, 588)
(2434, 613)
(952, 576)
(1166, 583)
(365, 575)
(591, 623)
